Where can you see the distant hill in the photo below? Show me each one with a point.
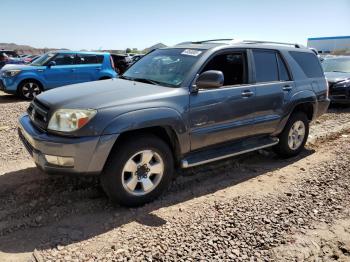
(26, 49)
(156, 46)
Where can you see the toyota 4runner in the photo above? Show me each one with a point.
(177, 107)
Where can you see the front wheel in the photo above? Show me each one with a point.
(138, 171)
(294, 135)
(29, 89)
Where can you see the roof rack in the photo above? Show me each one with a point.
(243, 41)
(270, 42)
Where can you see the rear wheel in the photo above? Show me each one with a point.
(138, 171)
(29, 89)
(294, 135)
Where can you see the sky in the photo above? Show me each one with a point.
(115, 24)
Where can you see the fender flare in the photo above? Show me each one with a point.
(151, 117)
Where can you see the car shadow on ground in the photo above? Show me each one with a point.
(40, 212)
(7, 98)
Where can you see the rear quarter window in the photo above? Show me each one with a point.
(309, 63)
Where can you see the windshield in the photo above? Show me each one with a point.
(164, 66)
(336, 65)
(43, 59)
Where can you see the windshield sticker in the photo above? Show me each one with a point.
(191, 52)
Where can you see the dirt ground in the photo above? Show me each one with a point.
(256, 207)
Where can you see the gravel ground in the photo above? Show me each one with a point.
(256, 207)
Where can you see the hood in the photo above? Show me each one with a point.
(334, 77)
(19, 67)
(103, 94)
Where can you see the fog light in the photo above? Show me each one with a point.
(60, 160)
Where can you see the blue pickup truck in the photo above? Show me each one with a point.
(55, 69)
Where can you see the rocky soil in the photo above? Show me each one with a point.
(255, 207)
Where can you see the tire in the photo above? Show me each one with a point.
(285, 146)
(29, 89)
(125, 177)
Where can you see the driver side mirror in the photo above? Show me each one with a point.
(51, 63)
(209, 80)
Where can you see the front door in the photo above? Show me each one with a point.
(226, 113)
(63, 72)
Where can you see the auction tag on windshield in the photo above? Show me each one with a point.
(191, 52)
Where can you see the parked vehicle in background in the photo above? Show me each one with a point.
(121, 62)
(30, 58)
(136, 58)
(181, 106)
(56, 69)
(337, 71)
(9, 57)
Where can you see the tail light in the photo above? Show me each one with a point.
(112, 62)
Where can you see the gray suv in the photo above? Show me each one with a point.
(177, 107)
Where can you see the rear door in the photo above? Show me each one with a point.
(63, 72)
(273, 85)
(88, 67)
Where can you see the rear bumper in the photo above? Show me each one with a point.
(322, 107)
(89, 153)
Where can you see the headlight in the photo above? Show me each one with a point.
(345, 83)
(68, 120)
(10, 73)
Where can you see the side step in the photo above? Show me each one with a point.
(228, 150)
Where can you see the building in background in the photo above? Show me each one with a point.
(327, 45)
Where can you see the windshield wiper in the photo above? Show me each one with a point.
(143, 80)
(339, 71)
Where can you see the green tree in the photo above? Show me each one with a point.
(128, 50)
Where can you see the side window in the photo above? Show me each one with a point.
(266, 69)
(64, 59)
(232, 65)
(282, 69)
(90, 59)
(309, 63)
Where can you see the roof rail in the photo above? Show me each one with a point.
(243, 41)
(270, 42)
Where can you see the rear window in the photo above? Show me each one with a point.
(309, 63)
(266, 69)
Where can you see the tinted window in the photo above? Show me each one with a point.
(309, 63)
(266, 69)
(231, 65)
(90, 59)
(282, 69)
(64, 59)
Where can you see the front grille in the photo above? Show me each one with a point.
(39, 114)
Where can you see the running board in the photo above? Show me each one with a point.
(233, 149)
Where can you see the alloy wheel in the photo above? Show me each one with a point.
(296, 135)
(31, 90)
(142, 172)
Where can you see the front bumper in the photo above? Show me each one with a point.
(8, 85)
(339, 94)
(89, 153)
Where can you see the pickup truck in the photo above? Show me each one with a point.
(177, 107)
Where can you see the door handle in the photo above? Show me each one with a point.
(247, 93)
(98, 68)
(287, 88)
(73, 69)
